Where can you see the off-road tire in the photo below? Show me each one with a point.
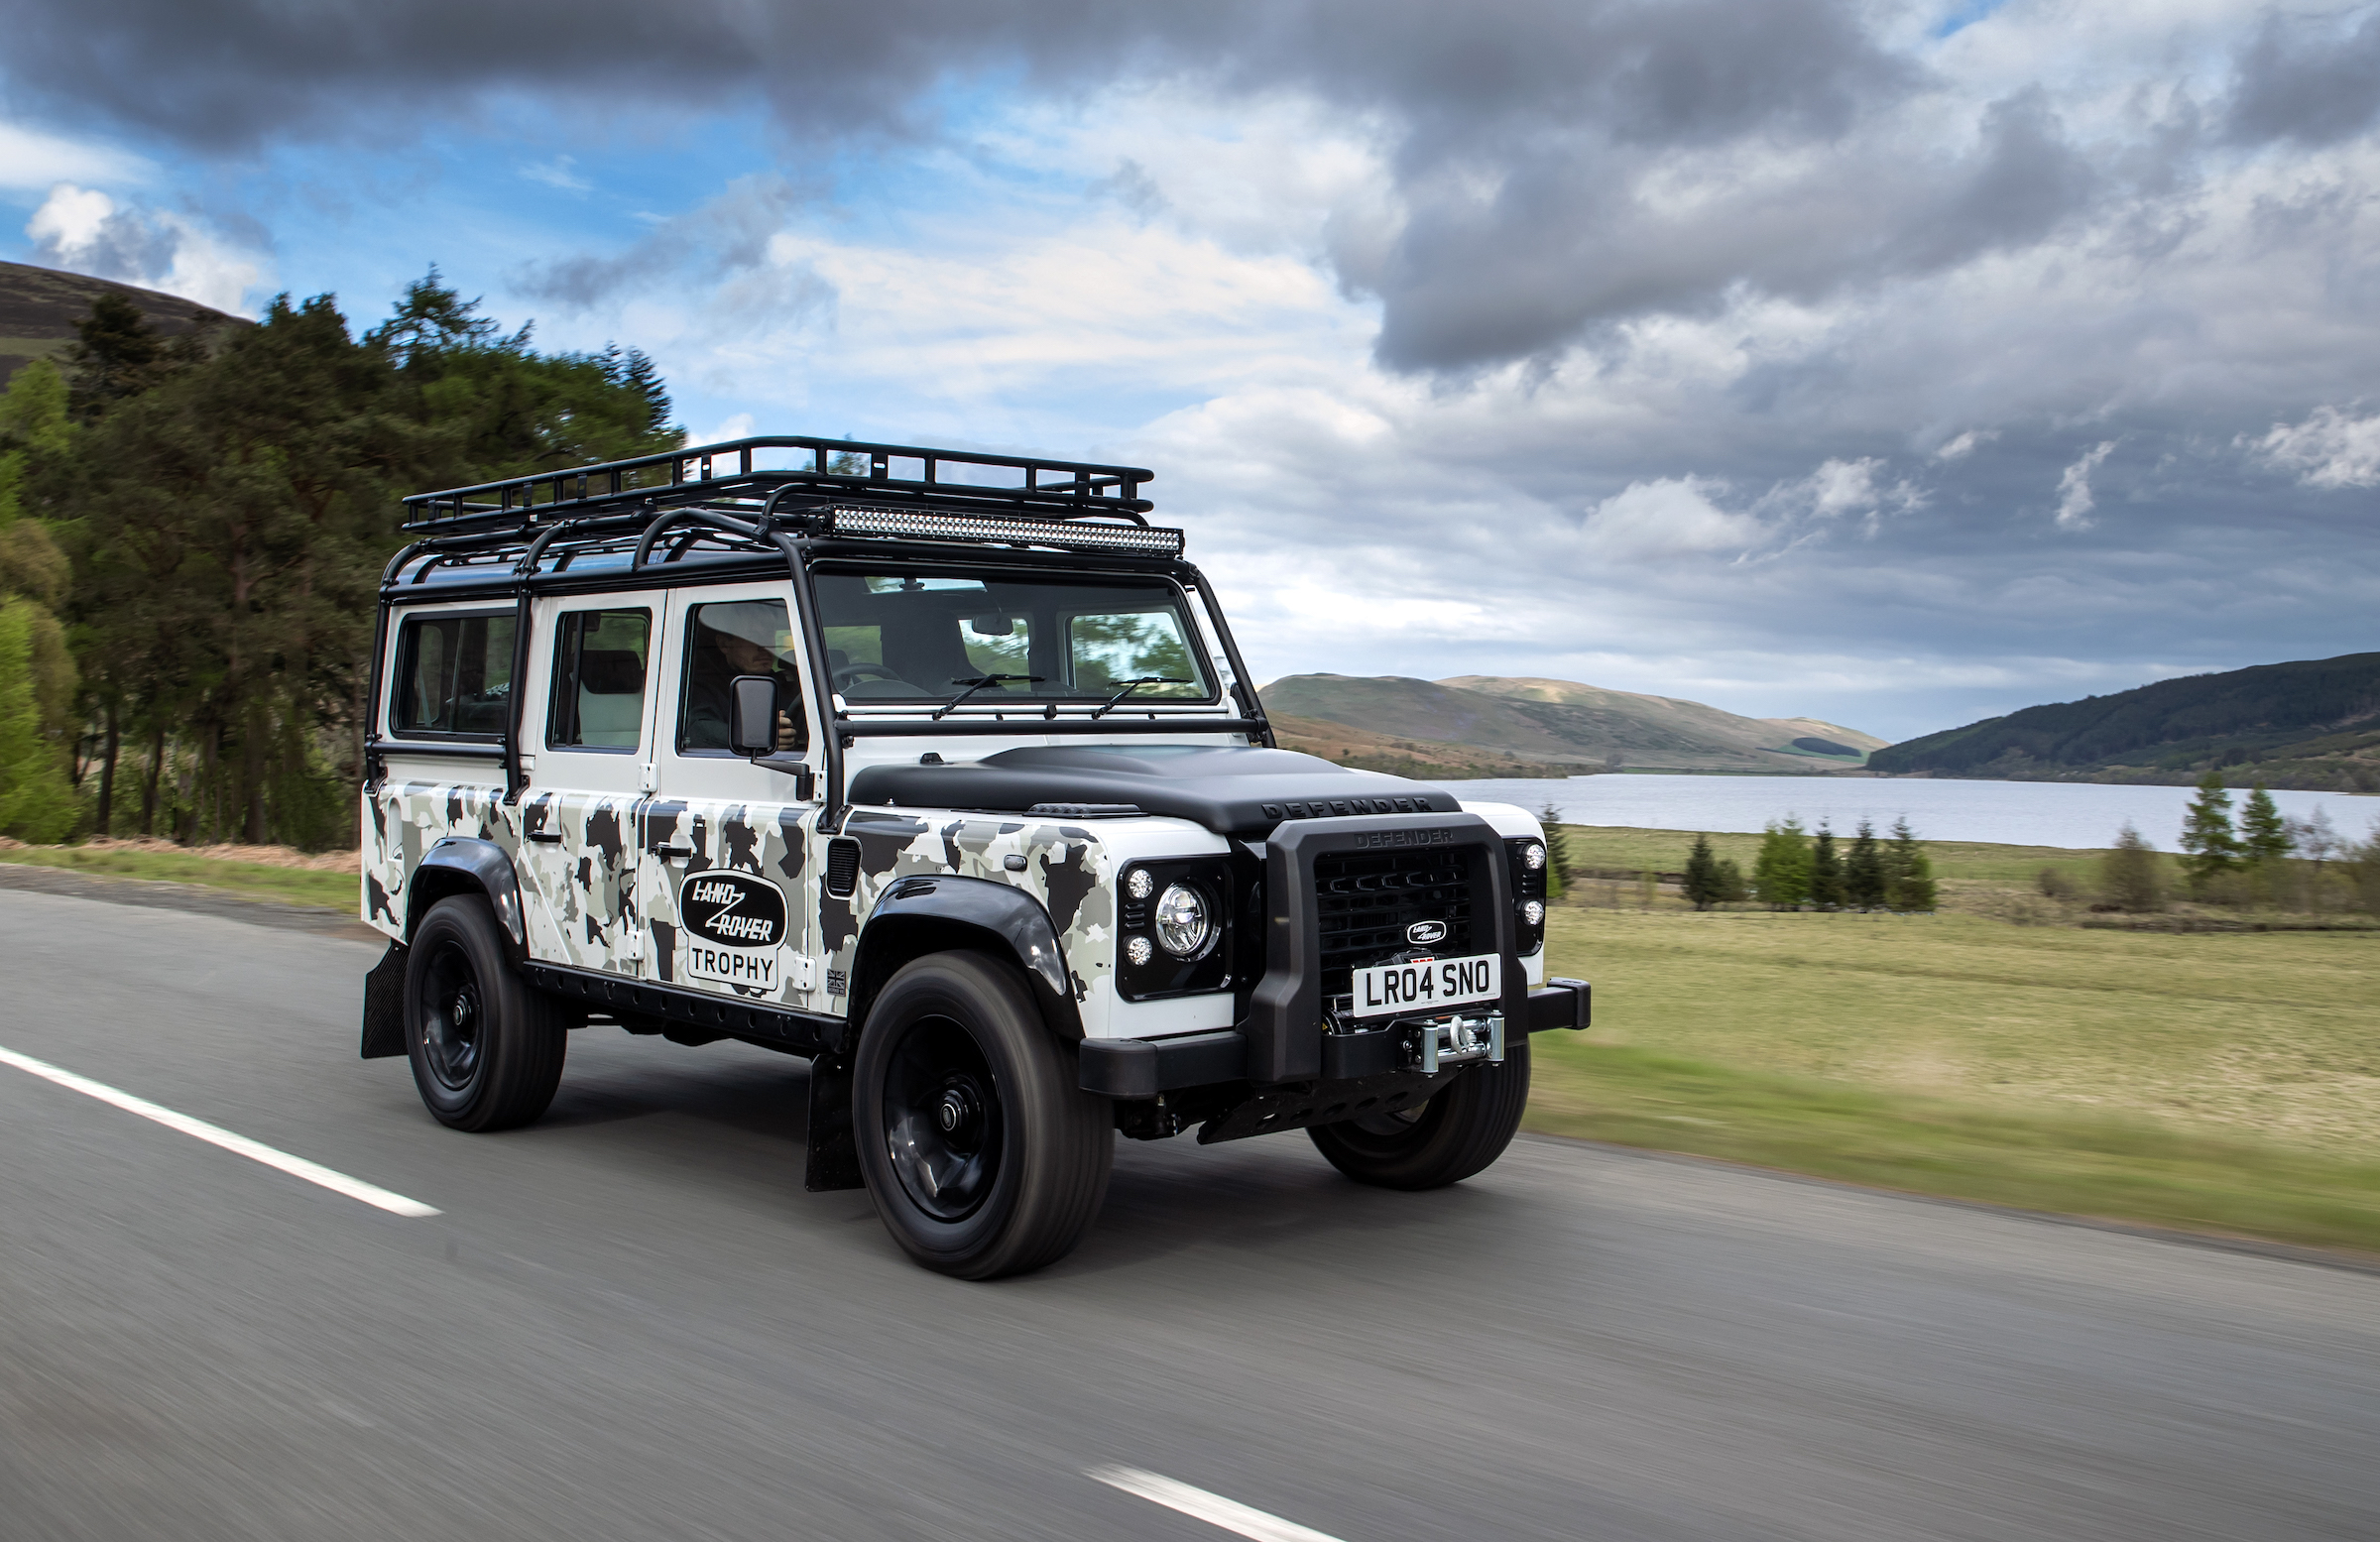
(485, 1047)
(1457, 1134)
(959, 1032)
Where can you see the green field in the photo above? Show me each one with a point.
(251, 879)
(2228, 1082)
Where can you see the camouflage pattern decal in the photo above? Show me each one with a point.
(765, 840)
(588, 902)
(1065, 867)
(578, 895)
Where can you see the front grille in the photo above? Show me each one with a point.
(1363, 903)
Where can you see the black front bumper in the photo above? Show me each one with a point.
(1143, 1068)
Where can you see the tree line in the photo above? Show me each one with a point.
(1796, 868)
(192, 534)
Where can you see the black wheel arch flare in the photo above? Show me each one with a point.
(937, 912)
(463, 864)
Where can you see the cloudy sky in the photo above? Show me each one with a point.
(1892, 363)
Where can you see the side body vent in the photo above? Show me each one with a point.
(842, 868)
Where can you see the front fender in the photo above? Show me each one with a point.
(927, 913)
(461, 864)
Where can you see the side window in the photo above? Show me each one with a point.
(454, 676)
(599, 679)
(1107, 650)
(724, 641)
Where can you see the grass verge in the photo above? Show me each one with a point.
(253, 881)
(2081, 1165)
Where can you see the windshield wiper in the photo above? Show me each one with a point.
(977, 684)
(1130, 687)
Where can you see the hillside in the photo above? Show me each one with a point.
(1401, 756)
(1564, 723)
(38, 307)
(2313, 724)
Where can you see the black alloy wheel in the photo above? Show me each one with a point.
(452, 1016)
(942, 1123)
(983, 1155)
(1460, 1131)
(486, 1048)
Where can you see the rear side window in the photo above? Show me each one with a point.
(599, 679)
(454, 676)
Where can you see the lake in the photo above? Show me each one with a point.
(2016, 813)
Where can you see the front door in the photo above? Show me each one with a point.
(723, 904)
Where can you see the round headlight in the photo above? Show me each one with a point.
(1533, 912)
(1532, 855)
(1139, 950)
(1183, 928)
(1139, 884)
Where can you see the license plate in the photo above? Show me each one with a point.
(1427, 985)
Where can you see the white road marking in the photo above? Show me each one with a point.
(212, 1135)
(1213, 1508)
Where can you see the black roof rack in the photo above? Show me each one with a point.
(730, 475)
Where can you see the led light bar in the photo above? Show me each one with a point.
(980, 528)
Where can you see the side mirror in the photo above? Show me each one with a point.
(752, 715)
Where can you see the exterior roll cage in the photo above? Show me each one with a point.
(648, 522)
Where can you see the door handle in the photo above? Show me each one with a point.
(669, 852)
(546, 837)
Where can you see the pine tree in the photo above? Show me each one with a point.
(1556, 853)
(1863, 871)
(1732, 888)
(117, 354)
(1907, 873)
(2206, 833)
(1781, 873)
(2263, 833)
(1703, 884)
(1825, 872)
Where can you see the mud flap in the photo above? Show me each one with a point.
(383, 1006)
(834, 1150)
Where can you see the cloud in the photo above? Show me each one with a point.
(33, 161)
(1965, 444)
(1666, 517)
(559, 174)
(2328, 450)
(2074, 502)
(725, 236)
(2302, 80)
(85, 230)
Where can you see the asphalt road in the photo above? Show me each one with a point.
(632, 1322)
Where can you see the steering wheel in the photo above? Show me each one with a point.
(853, 675)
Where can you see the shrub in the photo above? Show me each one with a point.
(2130, 875)
(2057, 884)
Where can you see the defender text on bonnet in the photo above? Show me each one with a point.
(943, 771)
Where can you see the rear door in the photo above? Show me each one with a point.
(583, 814)
(723, 904)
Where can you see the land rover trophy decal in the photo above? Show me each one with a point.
(734, 922)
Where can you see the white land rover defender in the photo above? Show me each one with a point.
(941, 770)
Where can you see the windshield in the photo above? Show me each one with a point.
(930, 635)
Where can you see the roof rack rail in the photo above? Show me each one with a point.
(838, 472)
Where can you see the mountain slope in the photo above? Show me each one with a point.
(1566, 723)
(38, 307)
(2313, 724)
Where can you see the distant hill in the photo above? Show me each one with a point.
(2313, 725)
(38, 307)
(1402, 755)
(1564, 723)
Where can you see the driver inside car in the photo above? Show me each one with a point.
(744, 637)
